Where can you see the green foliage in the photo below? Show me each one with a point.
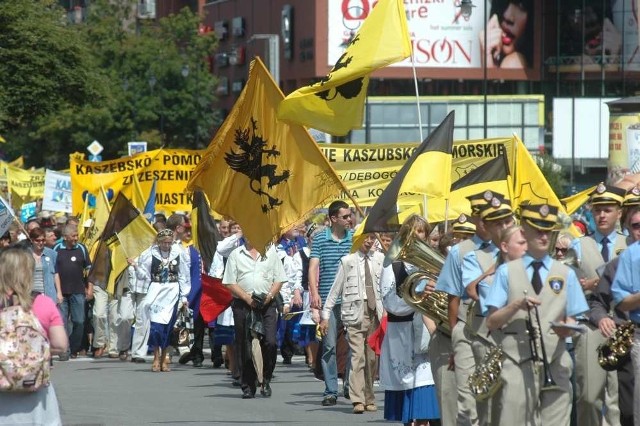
(111, 78)
(553, 173)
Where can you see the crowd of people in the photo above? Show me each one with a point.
(539, 297)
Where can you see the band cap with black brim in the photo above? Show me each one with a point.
(543, 217)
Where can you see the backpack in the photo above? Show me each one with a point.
(24, 351)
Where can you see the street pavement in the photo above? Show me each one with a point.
(112, 392)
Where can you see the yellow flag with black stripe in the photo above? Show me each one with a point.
(263, 173)
(335, 104)
(427, 172)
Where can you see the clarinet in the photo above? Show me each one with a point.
(548, 379)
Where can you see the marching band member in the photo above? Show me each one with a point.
(450, 282)
(496, 217)
(410, 395)
(554, 295)
(597, 389)
(625, 291)
(600, 302)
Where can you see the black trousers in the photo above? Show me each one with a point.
(198, 338)
(288, 348)
(243, 338)
(625, 394)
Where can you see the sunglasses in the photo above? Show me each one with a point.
(562, 249)
(635, 225)
(346, 217)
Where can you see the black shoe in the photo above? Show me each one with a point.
(185, 358)
(286, 361)
(138, 360)
(346, 393)
(63, 357)
(266, 390)
(248, 394)
(236, 382)
(197, 363)
(329, 400)
(217, 363)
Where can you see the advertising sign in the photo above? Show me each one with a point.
(443, 38)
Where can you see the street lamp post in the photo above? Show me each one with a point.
(466, 8)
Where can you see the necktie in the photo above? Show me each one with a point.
(536, 281)
(484, 245)
(368, 285)
(605, 249)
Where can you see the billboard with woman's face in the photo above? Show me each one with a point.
(447, 43)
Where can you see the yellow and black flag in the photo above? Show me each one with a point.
(204, 231)
(263, 173)
(126, 234)
(335, 104)
(573, 202)
(427, 172)
(529, 183)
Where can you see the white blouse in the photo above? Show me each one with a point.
(401, 368)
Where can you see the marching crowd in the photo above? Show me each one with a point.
(481, 322)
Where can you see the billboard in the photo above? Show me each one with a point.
(442, 38)
(597, 35)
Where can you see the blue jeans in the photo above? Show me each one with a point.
(328, 360)
(72, 312)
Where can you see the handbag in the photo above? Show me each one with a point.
(180, 335)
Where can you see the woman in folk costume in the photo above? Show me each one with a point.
(405, 370)
(165, 266)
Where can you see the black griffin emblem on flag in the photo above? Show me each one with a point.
(348, 90)
(249, 161)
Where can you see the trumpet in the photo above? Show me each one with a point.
(531, 331)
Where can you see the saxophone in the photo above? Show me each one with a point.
(616, 351)
(485, 381)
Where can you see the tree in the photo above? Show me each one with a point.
(552, 171)
(46, 66)
(112, 78)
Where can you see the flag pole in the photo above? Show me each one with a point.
(122, 245)
(415, 83)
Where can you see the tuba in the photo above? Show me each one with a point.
(616, 351)
(406, 247)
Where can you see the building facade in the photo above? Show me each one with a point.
(547, 52)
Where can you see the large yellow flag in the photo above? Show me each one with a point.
(263, 173)
(335, 104)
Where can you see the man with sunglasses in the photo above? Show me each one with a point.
(327, 250)
(601, 301)
(625, 290)
(596, 388)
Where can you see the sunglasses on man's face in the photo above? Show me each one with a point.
(635, 226)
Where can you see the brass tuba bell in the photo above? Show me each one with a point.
(406, 247)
